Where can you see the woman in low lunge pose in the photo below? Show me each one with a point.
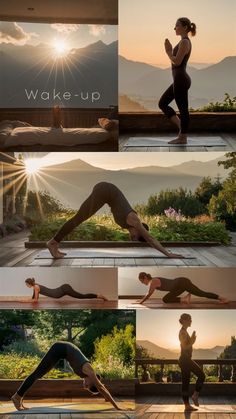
(175, 287)
(58, 292)
(187, 365)
(124, 215)
(78, 362)
(179, 56)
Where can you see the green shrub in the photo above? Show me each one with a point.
(227, 105)
(161, 227)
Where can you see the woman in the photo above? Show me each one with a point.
(175, 287)
(179, 57)
(124, 215)
(58, 292)
(187, 365)
(78, 362)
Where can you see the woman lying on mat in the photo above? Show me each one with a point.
(58, 292)
(79, 364)
(175, 288)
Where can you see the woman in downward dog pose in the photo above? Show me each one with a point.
(124, 215)
(178, 90)
(187, 365)
(175, 287)
(58, 292)
(78, 362)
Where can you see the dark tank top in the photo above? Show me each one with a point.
(186, 352)
(76, 358)
(166, 284)
(118, 203)
(44, 291)
(181, 68)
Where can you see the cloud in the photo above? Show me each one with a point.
(97, 30)
(12, 33)
(65, 28)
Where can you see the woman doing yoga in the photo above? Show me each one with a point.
(58, 292)
(79, 364)
(124, 215)
(186, 363)
(175, 287)
(178, 90)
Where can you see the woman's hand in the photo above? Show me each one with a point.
(137, 302)
(168, 46)
(175, 256)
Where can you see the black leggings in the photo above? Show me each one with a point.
(178, 91)
(56, 352)
(184, 284)
(187, 366)
(93, 203)
(66, 289)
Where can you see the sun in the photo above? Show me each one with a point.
(33, 166)
(60, 47)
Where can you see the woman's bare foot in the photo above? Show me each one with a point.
(181, 139)
(186, 299)
(53, 248)
(223, 300)
(17, 401)
(101, 297)
(189, 408)
(195, 398)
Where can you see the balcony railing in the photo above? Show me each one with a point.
(144, 363)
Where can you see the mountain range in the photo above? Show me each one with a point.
(145, 83)
(159, 352)
(72, 182)
(82, 72)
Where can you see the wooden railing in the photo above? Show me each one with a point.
(144, 363)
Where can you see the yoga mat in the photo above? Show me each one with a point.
(57, 408)
(215, 141)
(179, 408)
(115, 252)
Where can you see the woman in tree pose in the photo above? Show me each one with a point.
(175, 288)
(124, 215)
(58, 292)
(187, 365)
(178, 90)
(78, 362)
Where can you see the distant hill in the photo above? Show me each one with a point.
(159, 352)
(126, 104)
(93, 68)
(72, 181)
(145, 83)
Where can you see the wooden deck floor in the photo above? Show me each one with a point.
(69, 409)
(156, 303)
(144, 403)
(13, 253)
(230, 140)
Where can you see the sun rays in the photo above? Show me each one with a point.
(26, 173)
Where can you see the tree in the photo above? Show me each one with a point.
(41, 204)
(223, 206)
(119, 344)
(207, 188)
(179, 199)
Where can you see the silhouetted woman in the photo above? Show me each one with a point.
(178, 90)
(175, 288)
(187, 365)
(58, 292)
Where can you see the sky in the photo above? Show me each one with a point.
(118, 161)
(213, 327)
(144, 25)
(74, 36)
